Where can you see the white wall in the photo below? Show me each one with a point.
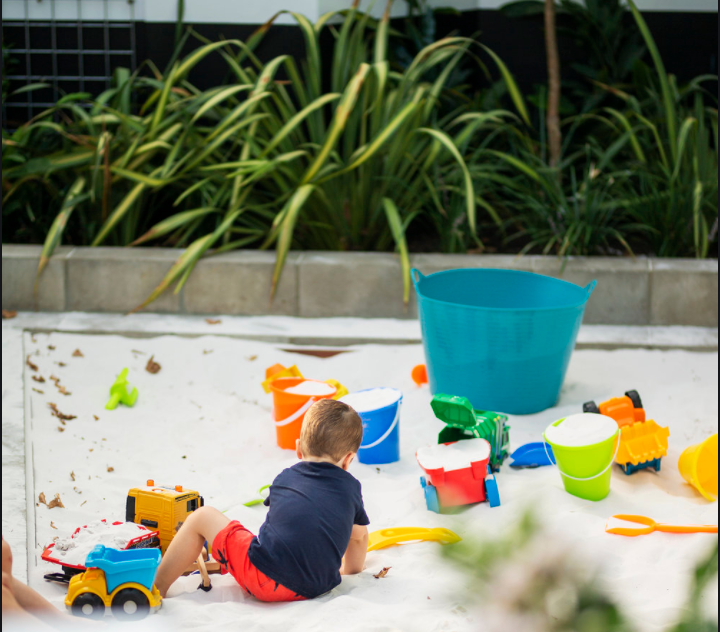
(258, 11)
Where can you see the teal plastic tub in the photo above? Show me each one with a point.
(501, 338)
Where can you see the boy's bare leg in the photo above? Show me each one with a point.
(13, 614)
(24, 596)
(202, 524)
(10, 606)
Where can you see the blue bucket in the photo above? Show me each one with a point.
(381, 432)
(501, 338)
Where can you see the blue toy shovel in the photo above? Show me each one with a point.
(532, 455)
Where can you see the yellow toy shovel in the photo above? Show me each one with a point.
(650, 526)
(389, 537)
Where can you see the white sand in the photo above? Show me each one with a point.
(455, 456)
(372, 399)
(581, 429)
(311, 387)
(74, 549)
(204, 422)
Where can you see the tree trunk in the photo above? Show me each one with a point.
(553, 64)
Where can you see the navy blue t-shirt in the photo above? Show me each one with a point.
(313, 507)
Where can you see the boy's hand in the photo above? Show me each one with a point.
(354, 559)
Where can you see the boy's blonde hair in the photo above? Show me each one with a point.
(330, 429)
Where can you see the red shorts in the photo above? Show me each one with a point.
(230, 549)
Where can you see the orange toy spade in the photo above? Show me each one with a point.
(648, 525)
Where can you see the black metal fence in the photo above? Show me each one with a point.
(71, 45)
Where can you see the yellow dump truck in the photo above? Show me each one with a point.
(120, 580)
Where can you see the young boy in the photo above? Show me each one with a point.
(315, 529)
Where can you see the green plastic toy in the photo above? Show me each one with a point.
(462, 421)
(119, 392)
(261, 499)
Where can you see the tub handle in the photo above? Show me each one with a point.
(416, 276)
(590, 287)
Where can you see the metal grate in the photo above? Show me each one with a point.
(74, 45)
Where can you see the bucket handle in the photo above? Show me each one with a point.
(298, 413)
(387, 432)
(416, 277)
(590, 478)
(590, 287)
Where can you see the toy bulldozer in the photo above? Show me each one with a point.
(643, 443)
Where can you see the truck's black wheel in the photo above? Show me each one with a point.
(591, 407)
(88, 606)
(635, 399)
(130, 605)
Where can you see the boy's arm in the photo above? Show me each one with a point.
(354, 560)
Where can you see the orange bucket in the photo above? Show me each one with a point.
(289, 408)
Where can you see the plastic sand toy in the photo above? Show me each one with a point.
(532, 455)
(263, 493)
(699, 466)
(277, 371)
(462, 421)
(119, 393)
(119, 580)
(625, 410)
(161, 508)
(419, 374)
(584, 447)
(379, 409)
(648, 525)
(390, 537)
(70, 553)
(293, 394)
(643, 443)
(458, 474)
(292, 398)
(642, 446)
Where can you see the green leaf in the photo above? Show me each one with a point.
(138, 177)
(295, 121)
(685, 130)
(291, 211)
(54, 236)
(218, 98)
(668, 98)
(628, 127)
(512, 87)
(446, 141)
(119, 212)
(30, 88)
(342, 112)
(188, 259)
(173, 223)
(398, 233)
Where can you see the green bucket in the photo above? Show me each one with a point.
(586, 469)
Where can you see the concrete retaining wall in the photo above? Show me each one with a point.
(637, 291)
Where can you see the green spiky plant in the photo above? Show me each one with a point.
(267, 161)
(671, 139)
